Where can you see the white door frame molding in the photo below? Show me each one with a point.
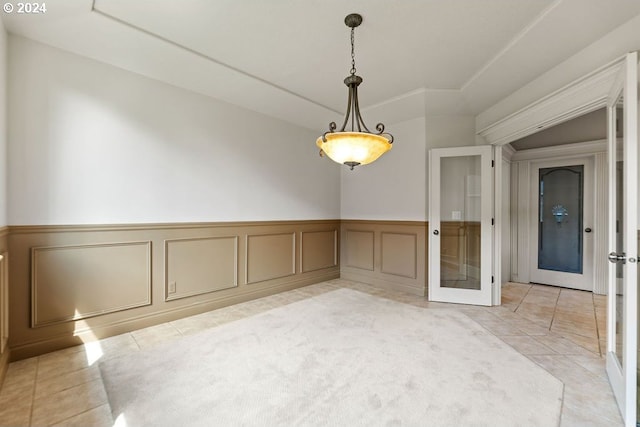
(580, 97)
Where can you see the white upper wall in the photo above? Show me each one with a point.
(395, 187)
(3, 126)
(391, 188)
(91, 143)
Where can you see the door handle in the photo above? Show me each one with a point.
(615, 257)
(436, 232)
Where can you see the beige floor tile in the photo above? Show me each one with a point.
(588, 343)
(543, 309)
(562, 345)
(12, 393)
(479, 314)
(510, 306)
(586, 318)
(155, 335)
(16, 412)
(501, 328)
(54, 408)
(116, 346)
(600, 301)
(504, 313)
(194, 324)
(96, 417)
(21, 373)
(601, 410)
(231, 316)
(271, 303)
(580, 297)
(592, 363)
(421, 303)
(571, 374)
(60, 362)
(527, 345)
(538, 305)
(544, 290)
(588, 331)
(530, 328)
(573, 416)
(15, 403)
(253, 307)
(55, 384)
(541, 320)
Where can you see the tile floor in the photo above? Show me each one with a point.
(560, 330)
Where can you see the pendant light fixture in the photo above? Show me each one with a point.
(354, 144)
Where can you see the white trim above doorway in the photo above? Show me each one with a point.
(580, 97)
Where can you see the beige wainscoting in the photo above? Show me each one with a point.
(81, 281)
(4, 303)
(270, 256)
(389, 254)
(72, 284)
(198, 265)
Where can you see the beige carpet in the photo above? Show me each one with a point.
(343, 358)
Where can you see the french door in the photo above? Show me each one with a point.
(460, 224)
(622, 308)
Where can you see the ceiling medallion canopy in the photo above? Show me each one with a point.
(354, 144)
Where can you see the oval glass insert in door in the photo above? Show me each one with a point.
(560, 217)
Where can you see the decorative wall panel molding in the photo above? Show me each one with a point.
(77, 282)
(399, 254)
(270, 256)
(200, 265)
(359, 245)
(318, 250)
(386, 254)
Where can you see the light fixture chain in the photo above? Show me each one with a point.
(353, 54)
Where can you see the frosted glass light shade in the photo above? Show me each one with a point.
(353, 147)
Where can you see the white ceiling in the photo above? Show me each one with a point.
(287, 58)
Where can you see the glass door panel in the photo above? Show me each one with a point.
(619, 237)
(460, 222)
(562, 241)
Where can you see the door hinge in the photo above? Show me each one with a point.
(493, 163)
(492, 279)
(493, 221)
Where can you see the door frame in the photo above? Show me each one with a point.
(588, 221)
